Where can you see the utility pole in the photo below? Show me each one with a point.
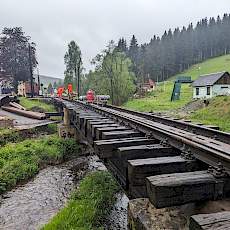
(31, 73)
(39, 87)
(78, 78)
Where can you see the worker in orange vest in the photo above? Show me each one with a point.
(60, 91)
(70, 91)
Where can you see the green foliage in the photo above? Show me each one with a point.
(112, 75)
(88, 205)
(21, 161)
(216, 113)
(73, 62)
(14, 54)
(9, 135)
(31, 103)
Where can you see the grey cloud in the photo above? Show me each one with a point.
(92, 23)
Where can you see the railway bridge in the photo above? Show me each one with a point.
(169, 161)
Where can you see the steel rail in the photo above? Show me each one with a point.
(194, 128)
(206, 149)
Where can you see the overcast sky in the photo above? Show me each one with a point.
(92, 23)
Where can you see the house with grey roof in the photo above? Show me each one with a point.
(210, 85)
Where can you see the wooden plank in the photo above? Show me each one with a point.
(212, 221)
(81, 120)
(99, 131)
(181, 188)
(145, 151)
(98, 122)
(30, 114)
(85, 120)
(139, 169)
(120, 134)
(106, 148)
(93, 126)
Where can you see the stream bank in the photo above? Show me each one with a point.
(33, 204)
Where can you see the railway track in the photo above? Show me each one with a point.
(169, 161)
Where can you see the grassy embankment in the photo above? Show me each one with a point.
(21, 161)
(88, 205)
(13, 135)
(159, 100)
(36, 104)
(216, 113)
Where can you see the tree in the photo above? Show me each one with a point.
(112, 69)
(122, 46)
(133, 54)
(176, 51)
(14, 54)
(73, 62)
(69, 78)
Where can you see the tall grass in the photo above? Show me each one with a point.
(21, 161)
(88, 205)
(32, 103)
(216, 113)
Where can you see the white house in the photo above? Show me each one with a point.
(210, 85)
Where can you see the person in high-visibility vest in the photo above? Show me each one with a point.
(60, 91)
(70, 90)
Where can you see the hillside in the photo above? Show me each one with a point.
(218, 111)
(159, 100)
(46, 80)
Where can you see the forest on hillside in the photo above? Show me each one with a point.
(122, 65)
(176, 50)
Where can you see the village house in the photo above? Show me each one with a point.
(211, 85)
(24, 88)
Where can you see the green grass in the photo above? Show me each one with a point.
(159, 100)
(30, 104)
(14, 135)
(21, 161)
(216, 113)
(88, 205)
(212, 65)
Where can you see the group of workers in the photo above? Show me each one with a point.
(61, 90)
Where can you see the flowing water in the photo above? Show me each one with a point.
(33, 204)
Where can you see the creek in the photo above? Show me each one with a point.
(31, 205)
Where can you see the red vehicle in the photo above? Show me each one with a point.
(90, 96)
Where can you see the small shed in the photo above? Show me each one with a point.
(210, 85)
